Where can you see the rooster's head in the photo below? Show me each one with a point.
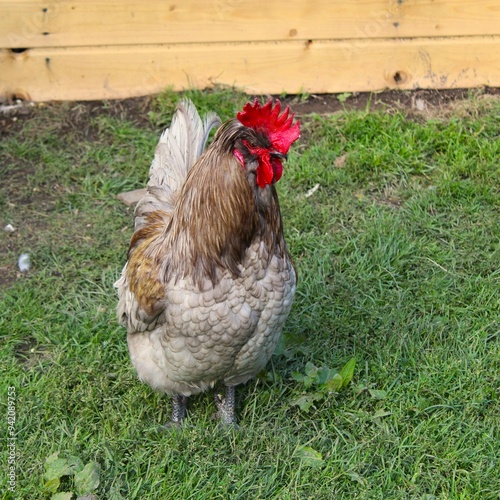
(271, 138)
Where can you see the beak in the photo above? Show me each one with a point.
(279, 155)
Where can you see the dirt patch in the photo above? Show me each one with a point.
(409, 101)
(79, 117)
(136, 109)
(29, 354)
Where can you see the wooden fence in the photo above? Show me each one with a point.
(95, 49)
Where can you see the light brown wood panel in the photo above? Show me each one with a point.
(63, 23)
(325, 66)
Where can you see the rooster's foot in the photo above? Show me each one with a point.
(225, 407)
(179, 405)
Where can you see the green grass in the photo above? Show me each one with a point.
(398, 257)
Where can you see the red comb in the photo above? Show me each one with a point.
(278, 128)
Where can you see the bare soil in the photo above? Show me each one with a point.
(418, 100)
(135, 109)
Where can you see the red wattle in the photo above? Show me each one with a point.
(277, 168)
(269, 170)
(265, 172)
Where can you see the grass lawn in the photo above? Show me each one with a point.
(398, 256)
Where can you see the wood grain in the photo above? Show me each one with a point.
(63, 23)
(274, 67)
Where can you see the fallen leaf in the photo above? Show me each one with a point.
(311, 191)
(309, 456)
(87, 480)
(340, 161)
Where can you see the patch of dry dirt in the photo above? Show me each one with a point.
(136, 109)
(409, 101)
(80, 114)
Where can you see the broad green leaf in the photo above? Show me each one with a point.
(63, 495)
(56, 467)
(324, 375)
(304, 379)
(297, 376)
(87, 480)
(309, 456)
(344, 96)
(347, 372)
(52, 485)
(335, 384)
(305, 401)
(310, 369)
(75, 463)
(51, 458)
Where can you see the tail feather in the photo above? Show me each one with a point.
(178, 149)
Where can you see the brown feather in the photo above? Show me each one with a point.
(144, 262)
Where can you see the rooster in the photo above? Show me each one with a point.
(209, 282)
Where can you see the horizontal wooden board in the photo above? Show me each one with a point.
(324, 66)
(63, 23)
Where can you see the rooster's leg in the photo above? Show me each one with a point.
(225, 406)
(179, 403)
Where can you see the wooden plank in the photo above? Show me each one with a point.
(325, 66)
(63, 23)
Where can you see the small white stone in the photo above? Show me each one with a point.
(420, 104)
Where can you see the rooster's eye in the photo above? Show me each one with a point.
(279, 156)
